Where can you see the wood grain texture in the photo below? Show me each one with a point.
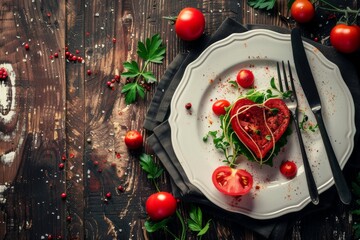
(56, 112)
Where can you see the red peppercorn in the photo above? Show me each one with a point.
(63, 195)
(63, 157)
(108, 195)
(88, 72)
(74, 58)
(77, 51)
(26, 46)
(61, 166)
(188, 106)
(3, 74)
(50, 237)
(96, 163)
(56, 55)
(121, 188)
(68, 218)
(114, 40)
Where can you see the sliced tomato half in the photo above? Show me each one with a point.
(231, 181)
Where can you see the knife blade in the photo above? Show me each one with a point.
(308, 84)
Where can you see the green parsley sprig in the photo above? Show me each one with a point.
(152, 51)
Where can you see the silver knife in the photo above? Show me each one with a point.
(308, 84)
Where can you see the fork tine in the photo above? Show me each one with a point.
(279, 76)
(292, 81)
(285, 77)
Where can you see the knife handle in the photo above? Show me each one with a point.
(340, 182)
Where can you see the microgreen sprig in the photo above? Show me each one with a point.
(152, 51)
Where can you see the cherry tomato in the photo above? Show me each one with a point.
(345, 38)
(160, 205)
(302, 11)
(219, 106)
(245, 78)
(288, 169)
(133, 139)
(231, 181)
(190, 24)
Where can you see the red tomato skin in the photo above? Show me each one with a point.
(133, 139)
(190, 24)
(219, 107)
(245, 78)
(288, 169)
(345, 38)
(160, 205)
(302, 11)
(232, 182)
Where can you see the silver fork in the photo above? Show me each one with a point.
(292, 104)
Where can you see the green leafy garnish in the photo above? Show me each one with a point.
(152, 169)
(262, 4)
(195, 222)
(304, 125)
(152, 51)
(152, 226)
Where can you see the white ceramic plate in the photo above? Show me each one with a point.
(207, 79)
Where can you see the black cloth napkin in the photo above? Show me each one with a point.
(160, 139)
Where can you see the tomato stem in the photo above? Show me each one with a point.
(345, 11)
(171, 233)
(156, 186)
(183, 227)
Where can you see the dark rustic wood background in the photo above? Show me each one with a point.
(59, 111)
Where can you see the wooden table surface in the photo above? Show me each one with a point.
(52, 109)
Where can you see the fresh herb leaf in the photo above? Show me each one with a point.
(133, 69)
(195, 222)
(150, 167)
(262, 4)
(152, 51)
(131, 90)
(151, 226)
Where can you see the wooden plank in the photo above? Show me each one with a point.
(32, 124)
(75, 118)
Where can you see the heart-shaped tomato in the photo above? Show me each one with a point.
(259, 126)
